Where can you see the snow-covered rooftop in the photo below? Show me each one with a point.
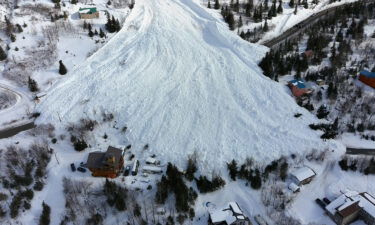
(228, 214)
(293, 187)
(347, 199)
(303, 173)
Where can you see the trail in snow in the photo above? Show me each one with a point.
(183, 82)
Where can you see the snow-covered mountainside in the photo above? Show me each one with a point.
(182, 82)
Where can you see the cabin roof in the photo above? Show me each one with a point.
(87, 10)
(112, 157)
(303, 173)
(367, 74)
(298, 83)
(228, 214)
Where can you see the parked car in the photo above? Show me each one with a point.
(81, 169)
(326, 200)
(135, 167)
(127, 171)
(320, 203)
(73, 167)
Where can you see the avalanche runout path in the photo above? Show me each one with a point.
(184, 83)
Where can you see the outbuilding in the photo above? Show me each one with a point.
(303, 175)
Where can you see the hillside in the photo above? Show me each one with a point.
(183, 83)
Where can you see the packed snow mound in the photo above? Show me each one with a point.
(183, 83)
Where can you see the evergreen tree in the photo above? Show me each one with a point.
(74, 2)
(191, 168)
(33, 86)
(296, 10)
(237, 6)
(62, 68)
(248, 7)
(274, 9)
(45, 216)
(3, 55)
(322, 112)
(91, 34)
(85, 26)
(230, 20)
(117, 25)
(305, 4)
(283, 171)
(280, 7)
(265, 7)
(233, 170)
(209, 4)
(101, 33)
(240, 22)
(217, 4)
(265, 27)
(256, 181)
(291, 3)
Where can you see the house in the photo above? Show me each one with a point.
(88, 13)
(367, 78)
(106, 164)
(298, 88)
(303, 175)
(350, 206)
(229, 215)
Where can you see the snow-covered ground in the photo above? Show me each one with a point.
(183, 83)
(288, 19)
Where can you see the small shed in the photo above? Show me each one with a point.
(299, 88)
(294, 187)
(303, 175)
(367, 78)
(152, 161)
(88, 13)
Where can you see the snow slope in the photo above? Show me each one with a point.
(182, 82)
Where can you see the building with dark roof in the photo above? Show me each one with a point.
(106, 164)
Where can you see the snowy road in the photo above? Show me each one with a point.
(183, 82)
(294, 31)
(14, 119)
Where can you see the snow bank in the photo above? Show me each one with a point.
(182, 82)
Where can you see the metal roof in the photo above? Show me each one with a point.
(367, 74)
